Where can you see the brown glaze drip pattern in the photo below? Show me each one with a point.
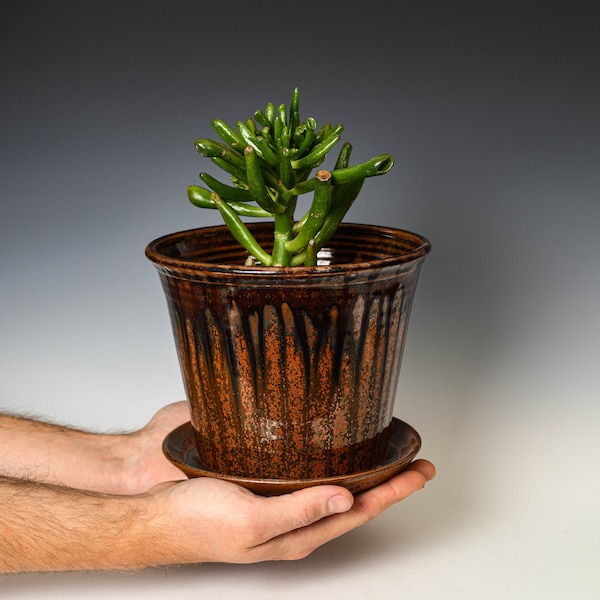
(291, 381)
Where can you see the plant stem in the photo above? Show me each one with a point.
(283, 231)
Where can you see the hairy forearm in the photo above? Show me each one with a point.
(55, 454)
(47, 527)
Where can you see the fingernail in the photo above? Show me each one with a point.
(339, 504)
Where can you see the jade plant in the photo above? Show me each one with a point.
(270, 160)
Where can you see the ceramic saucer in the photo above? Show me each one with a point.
(404, 443)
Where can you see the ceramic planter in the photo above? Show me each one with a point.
(291, 373)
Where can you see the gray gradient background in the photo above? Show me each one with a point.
(491, 110)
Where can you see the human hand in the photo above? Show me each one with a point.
(210, 520)
(111, 463)
(147, 465)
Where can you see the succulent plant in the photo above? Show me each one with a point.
(270, 160)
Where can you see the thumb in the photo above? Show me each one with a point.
(305, 507)
(285, 529)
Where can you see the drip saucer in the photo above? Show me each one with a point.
(403, 445)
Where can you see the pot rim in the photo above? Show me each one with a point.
(415, 248)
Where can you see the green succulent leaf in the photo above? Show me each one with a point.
(226, 192)
(240, 231)
(270, 160)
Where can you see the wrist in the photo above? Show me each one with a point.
(163, 541)
(122, 457)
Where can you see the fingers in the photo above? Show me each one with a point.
(305, 507)
(311, 517)
(373, 502)
(281, 517)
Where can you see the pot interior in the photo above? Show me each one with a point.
(352, 244)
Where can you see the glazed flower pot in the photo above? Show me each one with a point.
(291, 373)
